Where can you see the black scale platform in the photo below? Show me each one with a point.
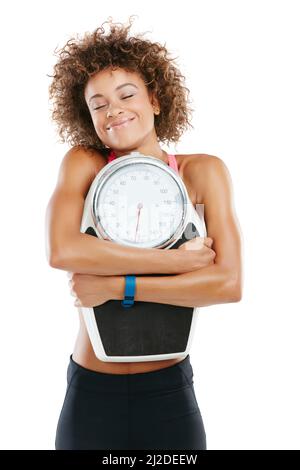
(146, 328)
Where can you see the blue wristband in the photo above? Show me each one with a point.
(129, 291)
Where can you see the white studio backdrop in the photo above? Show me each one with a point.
(241, 63)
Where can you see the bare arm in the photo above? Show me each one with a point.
(220, 282)
(207, 286)
(70, 250)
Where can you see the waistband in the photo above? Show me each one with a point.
(175, 376)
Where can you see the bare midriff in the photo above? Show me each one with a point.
(83, 353)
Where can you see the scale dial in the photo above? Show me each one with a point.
(140, 203)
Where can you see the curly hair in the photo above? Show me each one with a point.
(80, 59)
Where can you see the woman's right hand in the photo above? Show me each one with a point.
(195, 254)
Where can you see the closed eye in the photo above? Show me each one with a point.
(124, 98)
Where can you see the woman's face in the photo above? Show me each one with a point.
(116, 95)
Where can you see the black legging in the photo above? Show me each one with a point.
(150, 410)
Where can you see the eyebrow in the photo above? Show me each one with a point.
(98, 95)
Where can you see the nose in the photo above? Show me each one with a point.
(111, 110)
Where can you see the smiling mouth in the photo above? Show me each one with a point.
(118, 126)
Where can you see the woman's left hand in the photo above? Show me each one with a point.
(90, 290)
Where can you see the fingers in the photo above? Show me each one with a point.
(72, 292)
(208, 242)
(195, 243)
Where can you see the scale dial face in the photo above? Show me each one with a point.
(140, 204)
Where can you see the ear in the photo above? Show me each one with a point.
(154, 101)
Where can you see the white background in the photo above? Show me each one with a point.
(241, 63)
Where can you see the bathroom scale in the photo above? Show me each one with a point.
(139, 201)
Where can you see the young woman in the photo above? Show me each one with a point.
(114, 94)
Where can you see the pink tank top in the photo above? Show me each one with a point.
(172, 160)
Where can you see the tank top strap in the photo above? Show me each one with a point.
(173, 162)
(171, 158)
(111, 156)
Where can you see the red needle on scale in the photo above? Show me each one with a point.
(140, 205)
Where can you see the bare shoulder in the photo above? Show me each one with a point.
(91, 159)
(190, 162)
(78, 169)
(199, 170)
